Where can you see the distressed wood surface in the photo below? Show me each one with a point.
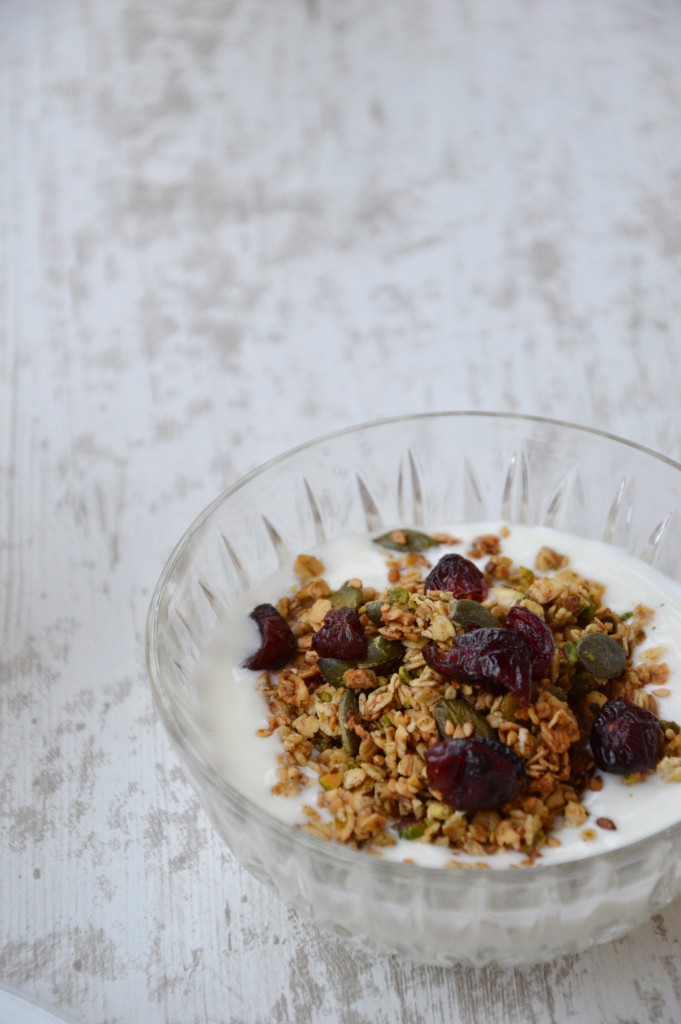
(227, 227)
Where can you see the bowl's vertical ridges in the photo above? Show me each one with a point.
(569, 498)
(181, 669)
(556, 506)
(418, 503)
(235, 562)
(371, 514)
(516, 496)
(653, 545)
(317, 521)
(579, 509)
(525, 510)
(188, 629)
(410, 500)
(280, 549)
(619, 516)
(508, 488)
(473, 501)
(212, 600)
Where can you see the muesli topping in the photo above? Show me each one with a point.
(466, 709)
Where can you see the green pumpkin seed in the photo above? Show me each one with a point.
(333, 670)
(601, 655)
(458, 712)
(373, 610)
(555, 691)
(381, 651)
(346, 597)
(405, 540)
(348, 705)
(472, 613)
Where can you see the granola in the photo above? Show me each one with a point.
(359, 732)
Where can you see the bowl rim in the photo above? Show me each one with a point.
(348, 857)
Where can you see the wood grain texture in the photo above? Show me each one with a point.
(227, 227)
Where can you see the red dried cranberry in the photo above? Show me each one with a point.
(278, 642)
(459, 576)
(474, 774)
(495, 656)
(625, 738)
(536, 634)
(341, 636)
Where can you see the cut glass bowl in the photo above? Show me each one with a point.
(420, 470)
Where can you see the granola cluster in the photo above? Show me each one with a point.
(359, 734)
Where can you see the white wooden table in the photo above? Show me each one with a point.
(226, 227)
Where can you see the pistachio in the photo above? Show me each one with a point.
(413, 830)
(405, 540)
(458, 712)
(507, 596)
(332, 780)
(397, 595)
(348, 705)
(586, 615)
(570, 651)
(601, 655)
(509, 707)
(472, 613)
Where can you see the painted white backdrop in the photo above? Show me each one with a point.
(227, 227)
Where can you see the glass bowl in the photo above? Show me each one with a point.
(418, 470)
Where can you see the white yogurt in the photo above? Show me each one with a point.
(235, 709)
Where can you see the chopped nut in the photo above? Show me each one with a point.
(307, 566)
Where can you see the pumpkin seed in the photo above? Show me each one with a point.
(373, 610)
(601, 655)
(405, 540)
(333, 670)
(348, 705)
(472, 613)
(381, 652)
(555, 691)
(458, 712)
(346, 597)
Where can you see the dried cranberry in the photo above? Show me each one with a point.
(495, 656)
(278, 642)
(625, 738)
(459, 576)
(341, 636)
(536, 634)
(474, 774)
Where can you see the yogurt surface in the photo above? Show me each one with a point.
(235, 709)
